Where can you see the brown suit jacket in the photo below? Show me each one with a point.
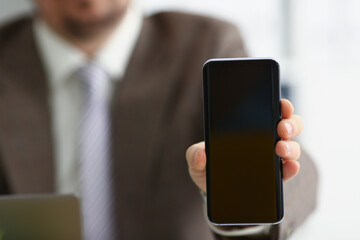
(157, 114)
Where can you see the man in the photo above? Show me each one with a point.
(153, 95)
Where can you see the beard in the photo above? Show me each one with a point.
(84, 29)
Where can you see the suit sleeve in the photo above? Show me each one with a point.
(300, 193)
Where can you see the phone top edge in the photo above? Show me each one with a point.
(240, 59)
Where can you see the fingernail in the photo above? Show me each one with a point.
(289, 127)
(288, 149)
(195, 157)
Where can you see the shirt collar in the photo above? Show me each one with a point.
(116, 53)
(61, 59)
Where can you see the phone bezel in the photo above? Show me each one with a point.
(276, 105)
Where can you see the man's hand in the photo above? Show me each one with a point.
(289, 127)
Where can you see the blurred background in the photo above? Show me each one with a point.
(317, 44)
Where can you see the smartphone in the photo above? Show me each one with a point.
(241, 112)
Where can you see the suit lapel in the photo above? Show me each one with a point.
(25, 126)
(138, 107)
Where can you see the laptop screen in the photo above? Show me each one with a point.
(39, 217)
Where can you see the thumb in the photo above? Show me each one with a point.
(195, 157)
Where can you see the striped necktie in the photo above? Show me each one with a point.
(95, 155)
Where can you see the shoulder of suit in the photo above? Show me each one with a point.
(174, 16)
(10, 30)
(182, 23)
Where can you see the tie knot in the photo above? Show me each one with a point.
(93, 78)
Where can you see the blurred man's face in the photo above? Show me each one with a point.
(82, 18)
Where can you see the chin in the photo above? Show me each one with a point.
(88, 20)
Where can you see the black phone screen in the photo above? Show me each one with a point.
(242, 110)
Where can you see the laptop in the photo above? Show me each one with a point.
(40, 217)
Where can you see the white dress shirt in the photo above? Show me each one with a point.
(61, 61)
